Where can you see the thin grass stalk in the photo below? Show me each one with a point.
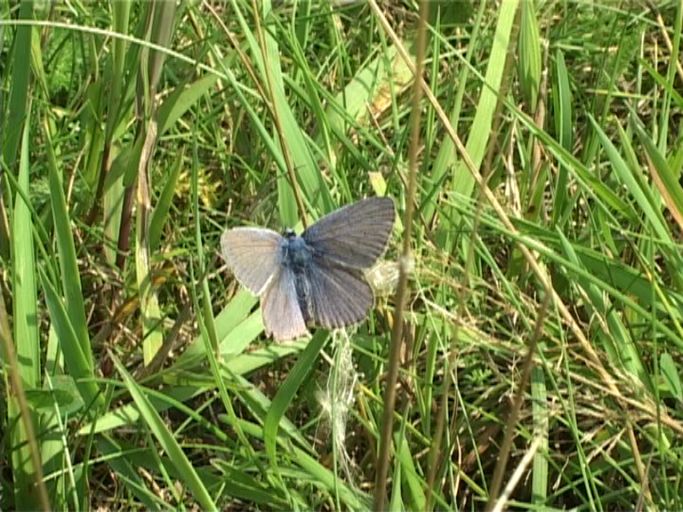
(434, 460)
(522, 242)
(4, 223)
(181, 57)
(206, 321)
(123, 244)
(270, 89)
(268, 98)
(664, 33)
(517, 475)
(537, 147)
(404, 264)
(121, 16)
(436, 455)
(20, 397)
(501, 462)
(527, 366)
(240, 53)
(506, 445)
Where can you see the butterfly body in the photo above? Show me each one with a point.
(298, 256)
(316, 278)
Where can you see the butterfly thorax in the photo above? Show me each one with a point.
(296, 254)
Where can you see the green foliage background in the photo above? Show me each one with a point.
(542, 337)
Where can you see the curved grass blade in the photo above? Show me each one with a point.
(166, 440)
(288, 390)
(77, 364)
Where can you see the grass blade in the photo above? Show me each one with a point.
(26, 465)
(167, 440)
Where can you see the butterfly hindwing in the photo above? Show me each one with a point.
(355, 235)
(339, 295)
(282, 315)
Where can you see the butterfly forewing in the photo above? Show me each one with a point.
(280, 309)
(339, 295)
(253, 254)
(356, 235)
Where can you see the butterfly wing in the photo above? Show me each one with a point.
(253, 254)
(282, 315)
(340, 296)
(355, 235)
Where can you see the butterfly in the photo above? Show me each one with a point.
(316, 278)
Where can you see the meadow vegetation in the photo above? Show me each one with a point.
(541, 326)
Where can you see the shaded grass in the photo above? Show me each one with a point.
(276, 117)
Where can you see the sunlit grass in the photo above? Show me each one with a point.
(542, 334)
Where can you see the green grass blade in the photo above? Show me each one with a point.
(26, 335)
(540, 413)
(288, 390)
(70, 274)
(24, 272)
(306, 170)
(19, 88)
(642, 197)
(414, 485)
(305, 167)
(116, 72)
(77, 364)
(163, 204)
(462, 182)
(167, 441)
(366, 94)
(529, 55)
(478, 139)
(563, 117)
(13, 121)
(671, 376)
(446, 158)
(182, 99)
(319, 475)
(665, 179)
(119, 459)
(161, 33)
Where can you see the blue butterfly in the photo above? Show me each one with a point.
(316, 278)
